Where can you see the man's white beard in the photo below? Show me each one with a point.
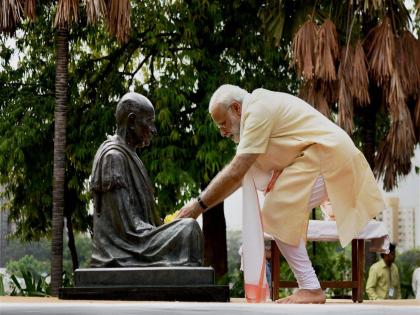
(235, 135)
(235, 138)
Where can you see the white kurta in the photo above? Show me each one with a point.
(293, 137)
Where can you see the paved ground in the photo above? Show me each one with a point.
(46, 306)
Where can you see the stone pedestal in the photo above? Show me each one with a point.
(146, 284)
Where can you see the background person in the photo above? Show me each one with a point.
(384, 280)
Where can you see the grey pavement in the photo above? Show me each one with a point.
(164, 308)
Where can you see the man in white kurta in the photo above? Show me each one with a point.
(278, 132)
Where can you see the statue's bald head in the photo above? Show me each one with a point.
(132, 102)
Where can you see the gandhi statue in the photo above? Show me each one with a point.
(125, 230)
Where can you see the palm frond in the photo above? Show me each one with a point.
(408, 61)
(395, 151)
(417, 118)
(396, 96)
(303, 47)
(29, 9)
(119, 23)
(307, 92)
(345, 100)
(380, 44)
(368, 5)
(359, 78)
(329, 90)
(67, 12)
(313, 93)
(95, 10)
(273, 17)
(11, 13)
(326, 52)
(321, 103)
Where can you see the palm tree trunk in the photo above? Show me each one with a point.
(61, 91)
(215, 249)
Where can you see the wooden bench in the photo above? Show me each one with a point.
(374, 229)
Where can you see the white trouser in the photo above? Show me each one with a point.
(297, 257)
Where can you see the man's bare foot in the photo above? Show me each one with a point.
(304, 296)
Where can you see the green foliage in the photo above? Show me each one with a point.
(407, 262)
(2, 292)
(35, 256)
(40, 250)
(68, 279)
(179, 52)
(32, 263)
(29, 264)
(34, 286)
(84, 252)
(235, 277)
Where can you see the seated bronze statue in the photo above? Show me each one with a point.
(125, 230)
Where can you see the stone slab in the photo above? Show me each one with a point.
(197, 293)
(148, 276)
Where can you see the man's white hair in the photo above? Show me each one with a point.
(225, 95)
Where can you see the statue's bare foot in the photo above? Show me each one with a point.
(304, 296)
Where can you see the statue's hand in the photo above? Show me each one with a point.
(191, 210)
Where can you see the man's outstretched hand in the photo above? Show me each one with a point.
(191, 210)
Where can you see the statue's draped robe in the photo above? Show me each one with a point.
(125, 231)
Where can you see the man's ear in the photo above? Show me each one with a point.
(131, 119)
(237, 108)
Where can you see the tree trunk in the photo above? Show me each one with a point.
(71, 243)
(369, 132)
(368, 126)
(61, 81)
(215, 249)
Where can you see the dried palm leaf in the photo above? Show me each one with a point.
(417, 118)
(307, 92)
(95, 10)
(396, 97)
(408, 61)
(312, 93)
(67, 12)
(345, 100)
(321, 103)
(396, 150)
(381, 51)
(29, 9)
(326, 52)
(119, 23)
(345, 111)
(11, 13)
(329, 90)
(303, 47)
(359, 78)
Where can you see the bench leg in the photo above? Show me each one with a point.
(275, 270)
(354, 270)
(361, 269)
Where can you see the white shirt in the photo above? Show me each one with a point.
(416, 283)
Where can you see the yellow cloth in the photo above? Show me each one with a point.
(380, 279)
(293, 137)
